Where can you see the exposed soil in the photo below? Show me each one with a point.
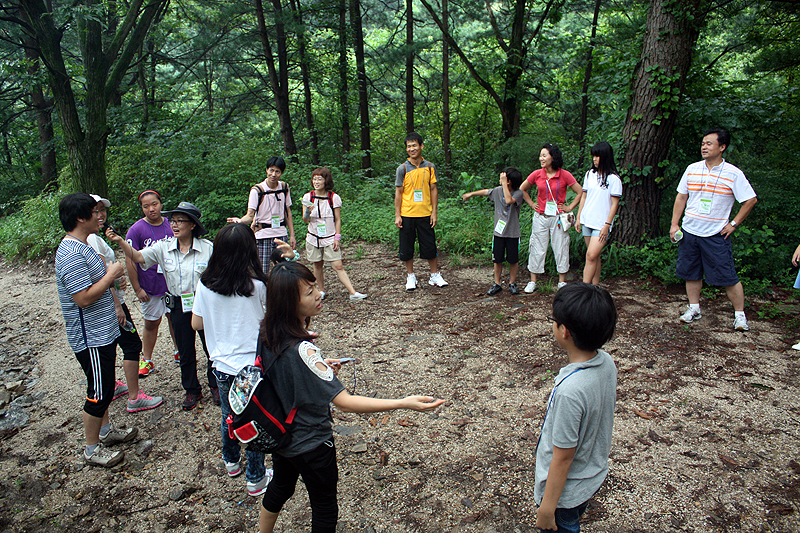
(706, 433)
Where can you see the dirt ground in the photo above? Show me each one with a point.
(706, 433)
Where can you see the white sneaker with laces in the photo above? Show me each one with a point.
(357, 296)
(116, 435)
(260, 487)
(740, 324)
(102, 456)
(438, 280)
(411, 282)
(690, 315)
(530, 287)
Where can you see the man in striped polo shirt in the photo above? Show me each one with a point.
(83, 284)
(706, 193)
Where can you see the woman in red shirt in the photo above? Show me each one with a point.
(551, 183)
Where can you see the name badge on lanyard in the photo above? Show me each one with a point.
(500, 227)
(187, 301)
(705, 206)
(322, 229)
(550, 208)
(418, 195)
(276, 221)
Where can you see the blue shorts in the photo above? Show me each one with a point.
(586, 231)
(709, 257)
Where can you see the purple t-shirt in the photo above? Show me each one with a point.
(143, 235)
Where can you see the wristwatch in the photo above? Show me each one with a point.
(733, 223)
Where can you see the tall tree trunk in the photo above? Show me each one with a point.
(658, 83)
(44, 117)
(103, 70)
(304, 71)
(363, 97)
(343, 90)
(448, 153)
(409, 66)
(279, 79)
(145, 94)
(587, 76)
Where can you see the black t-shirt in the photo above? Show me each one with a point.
(301, 384)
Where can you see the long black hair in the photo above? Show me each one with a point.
(607, 166)
(281, 322)
(234, 262)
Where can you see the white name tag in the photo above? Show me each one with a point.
(500, 227)
(705, 206)
(187, 301)
(322, 229)
(551, 209)
(418, 195)
(276, 221)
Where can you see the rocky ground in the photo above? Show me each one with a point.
(706, 434)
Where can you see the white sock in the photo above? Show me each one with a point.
(694, 307)
(738, 314)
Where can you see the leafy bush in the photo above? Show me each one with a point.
(33, 231)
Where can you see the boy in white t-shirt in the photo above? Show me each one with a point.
(706, 193)
(322, 211)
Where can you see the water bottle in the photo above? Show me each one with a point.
(128, 326)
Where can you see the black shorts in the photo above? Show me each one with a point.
(129, 341)
(98, 366)
(505, 249)
(417, 228)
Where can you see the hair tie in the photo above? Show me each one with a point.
(149, 191)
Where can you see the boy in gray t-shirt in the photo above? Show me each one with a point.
(505, 242)
(572, 454)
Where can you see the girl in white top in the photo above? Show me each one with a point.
(602, 189)
(322, 211)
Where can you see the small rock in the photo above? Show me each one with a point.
(144, 448)
(177, 494)
(14, 417)
(466, 502)
(347, 430)
(360, 447)
(15, 386)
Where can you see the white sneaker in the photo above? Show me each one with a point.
(690, 315)
(740, 324)
(530, 287)
(562, 284)
(796, 346)
(438, 280)
(116, 435)
(234, 469)
(357, 296)
(260, 487)
(102, 456)
(411, 282)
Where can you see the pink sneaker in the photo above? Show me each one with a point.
(143, 402)
(119, 389)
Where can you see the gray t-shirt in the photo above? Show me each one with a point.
(506, 212)
(580, 415)
(301, 383)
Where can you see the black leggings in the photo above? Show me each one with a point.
(320, 474)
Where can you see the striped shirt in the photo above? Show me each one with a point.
(720, 186)
(78, 267)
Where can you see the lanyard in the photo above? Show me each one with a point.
(180, 270)
(153, 232)
(710, 175)
(422, 177)
(558, 186)
(550, 403)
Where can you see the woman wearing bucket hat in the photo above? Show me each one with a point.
(183, 258)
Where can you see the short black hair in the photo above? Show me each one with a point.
(73, 207)
(277, 162)
(555, 153)
(414, 136)
(723, 135)
(514, 177)
(588, 312)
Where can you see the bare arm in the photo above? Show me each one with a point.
(468, 195)
(677, 211)
(611, 213)
(796, 256)
(580, 210)
(398, 204)
(130, 252)
(247, 219)
(556, 479)
(361, 404)
(434, 204)
(740, 216)
(337, 221)
(578, 190)
(290, 227)
(528, 200)
(197, 322)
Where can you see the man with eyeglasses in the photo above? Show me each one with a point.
(83, 282)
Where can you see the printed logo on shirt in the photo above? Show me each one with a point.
(310, 355)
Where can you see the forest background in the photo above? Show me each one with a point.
(191, 97)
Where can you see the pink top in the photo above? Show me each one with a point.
(558, 187)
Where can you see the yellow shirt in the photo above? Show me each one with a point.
(416, 183)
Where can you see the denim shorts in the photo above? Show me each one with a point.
(568, 520)
(586, 231)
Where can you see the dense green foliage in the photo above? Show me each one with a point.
(210, 123)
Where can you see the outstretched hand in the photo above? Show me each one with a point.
(286, 250)
(422, 403)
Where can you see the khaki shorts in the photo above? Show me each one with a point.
(154, 308)
(315, 255)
